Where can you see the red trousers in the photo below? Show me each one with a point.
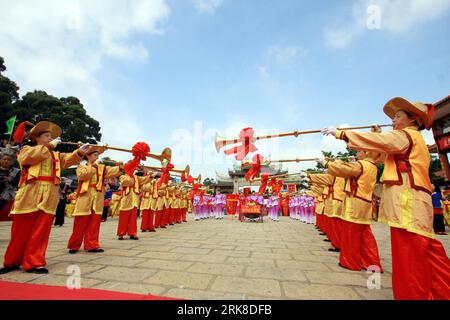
(325, 224)
(86, 228)
(359, 249)
(29, 239)
(184, 215)
(335, 232)
(158, 216)
(420, 267)
(147, 220)
(172, 214)
(127, 223)
(165, 217)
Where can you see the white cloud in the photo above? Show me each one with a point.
(207, 6)
(396, 17)
(60, 46)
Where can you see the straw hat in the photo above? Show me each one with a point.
(421, 111)
(45, 126)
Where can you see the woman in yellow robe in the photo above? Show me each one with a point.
(420, 266)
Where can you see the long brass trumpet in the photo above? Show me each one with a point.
(158, 169)
(220, 142)
(279, 176)
(164, 157)
(198, 179)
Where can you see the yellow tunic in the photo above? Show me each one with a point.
(355, 210)
(41, 195)
(148, 202)
(325, 181)
(401, 206)
(161, 200)
(92, 200)
(114, 204)
(130, 199)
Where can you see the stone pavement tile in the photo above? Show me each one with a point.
(52, 253)
(191, 250)
(275, 256)
(118, 260)
(155, 248)
(80, 257)
(123, 252)
(254, 249)
(19, 276)
(59, 280)
(123, 274)
(201, 294)
(324, 252)
(61, 268)
(140, 288)
(203, 258)
(310, 257)
(375, 294)
(337, 278)
(186, 244)
(217, 246)
(217, 268)
(306, 291)
(270, 245)
(275, 273)
(251, 262)
(165, 264)
(262, 287)
(161, 255)
(180, 279)
(231, 253)
(302, 265)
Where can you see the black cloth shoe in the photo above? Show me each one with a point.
(334, 250)
(98, 250)
(144, 230)
(327, 240)
(323, 234)
(8, 269)
(38, 270)
(120, 238)
(152, 230)
(134, 238)
(73, 251)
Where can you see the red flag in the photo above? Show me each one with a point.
(19, 133)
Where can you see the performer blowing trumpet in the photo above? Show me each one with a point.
(37, 198)
(420, 266)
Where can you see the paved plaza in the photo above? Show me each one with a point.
(214, 259)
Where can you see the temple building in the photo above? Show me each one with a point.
(441, 132)
(234, 180)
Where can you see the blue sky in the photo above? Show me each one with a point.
(174, 72)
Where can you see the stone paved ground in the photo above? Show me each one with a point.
(214, 260)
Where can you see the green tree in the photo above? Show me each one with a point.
(208, 182)
(9, 93)
(68, 113)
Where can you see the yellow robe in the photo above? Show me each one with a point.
(401, 206)
(92, 200)
(355, 210)
(41, 195)
(131, 200)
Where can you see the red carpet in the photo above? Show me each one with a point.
(26, 291)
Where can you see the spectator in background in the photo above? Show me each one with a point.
(9, 182)
(63, 201)
(438, 223)
(108, 196)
